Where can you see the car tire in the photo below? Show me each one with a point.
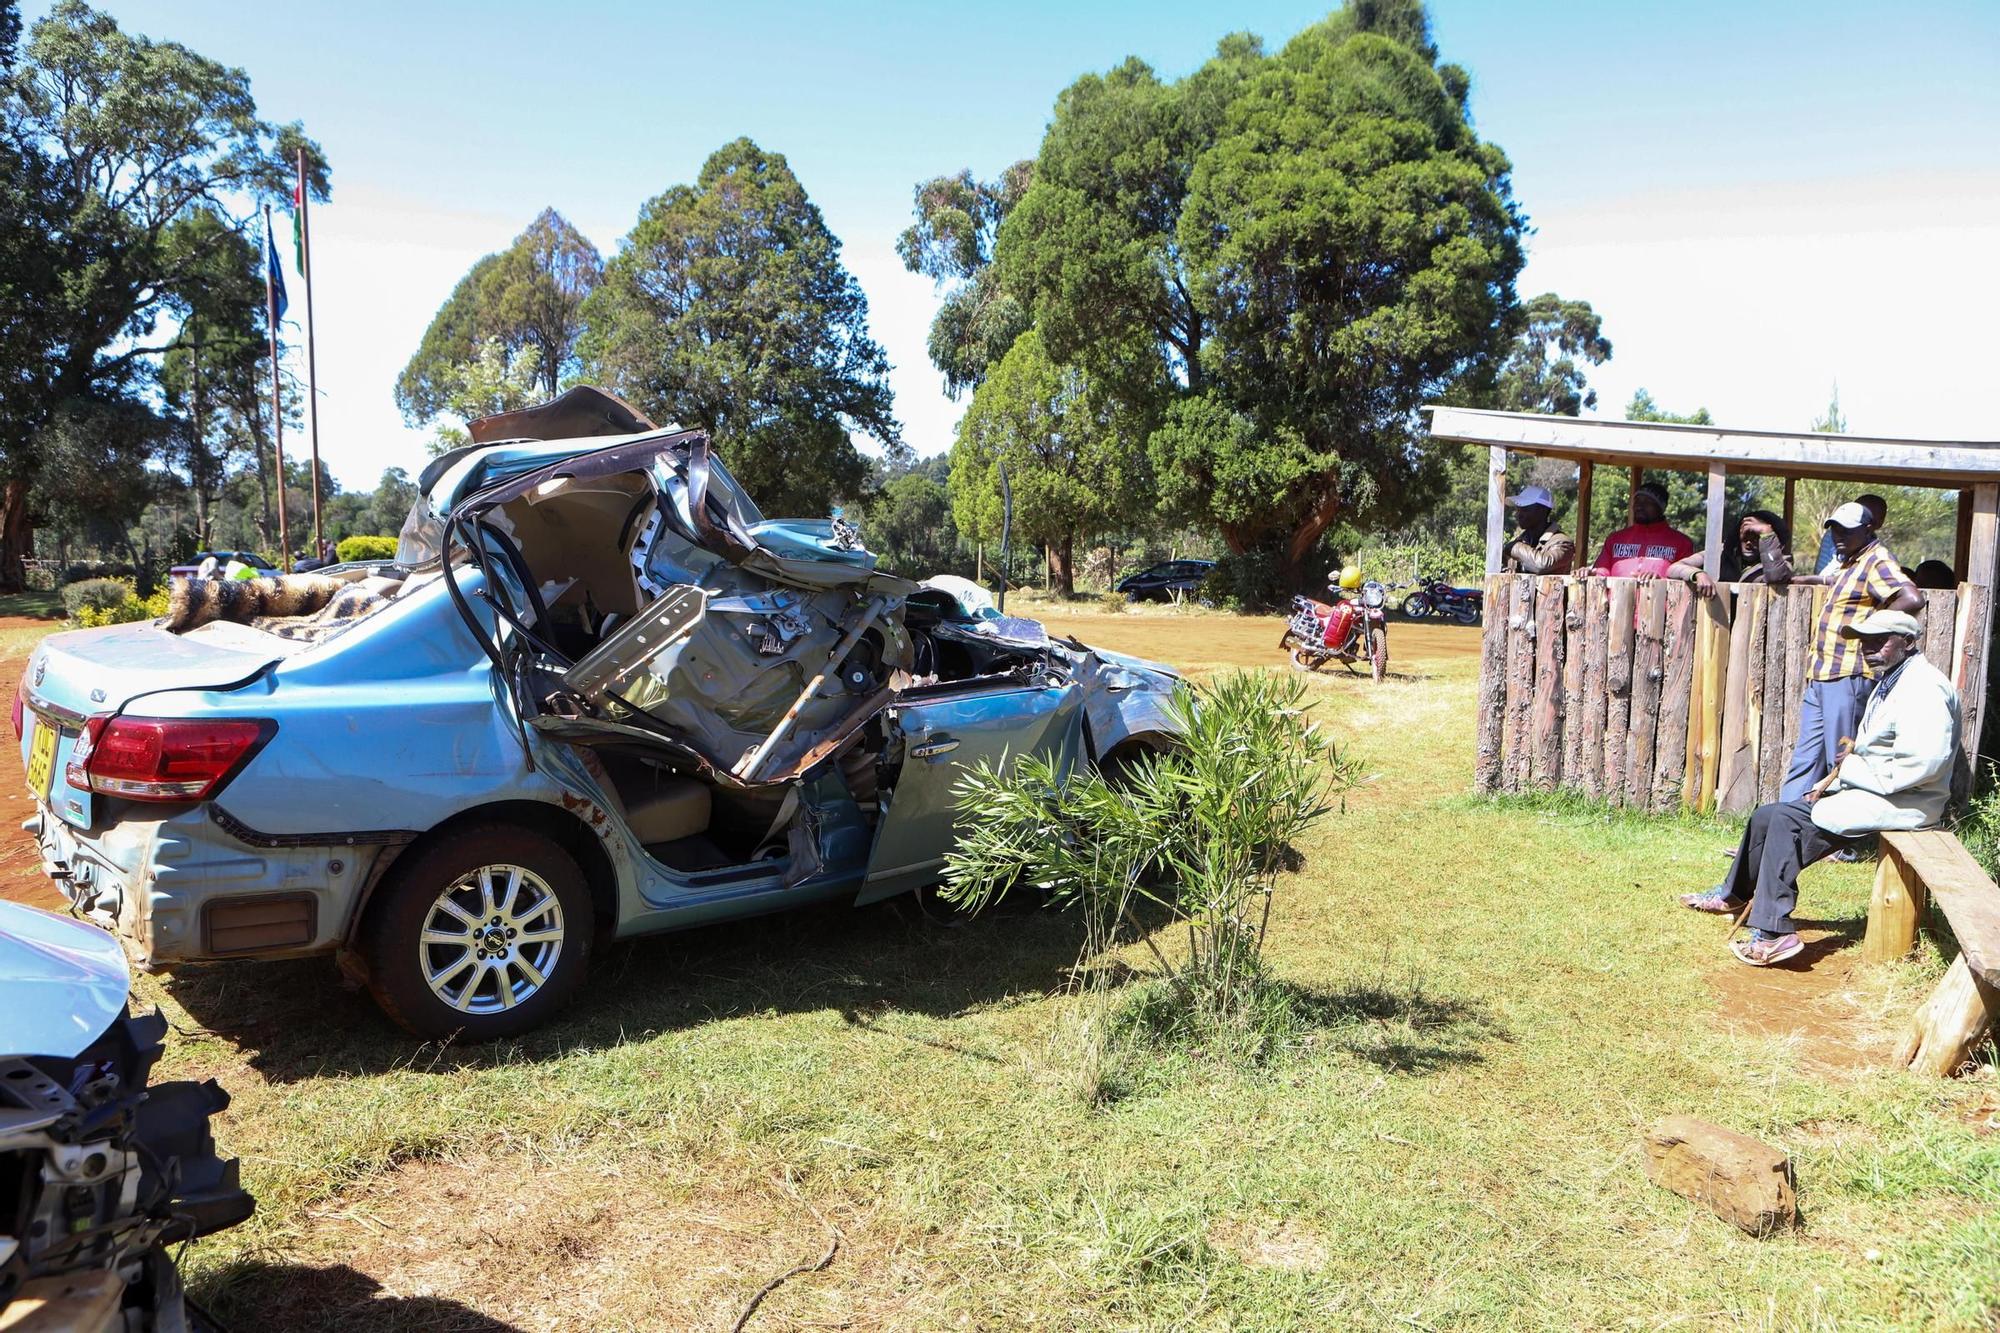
(520, 906)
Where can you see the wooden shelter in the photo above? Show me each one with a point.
(1647, 694)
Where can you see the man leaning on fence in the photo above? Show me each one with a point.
(1864, 578)
(1897, 776)
(1540, 547)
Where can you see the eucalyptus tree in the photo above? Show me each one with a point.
(951, 242)
(528, 297)
(728, 308)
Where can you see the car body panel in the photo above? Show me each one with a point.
(414, 718)
(62, 982)
(943, 736)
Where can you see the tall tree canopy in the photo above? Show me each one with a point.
(121, 153)
(951, 243)
(1061, 442)
(728, 308)
(528, 296)
(1277, 259)
(1541, 373)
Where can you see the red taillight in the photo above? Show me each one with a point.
(20, 706)
(160, 758)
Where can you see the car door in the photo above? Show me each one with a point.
(944, 730)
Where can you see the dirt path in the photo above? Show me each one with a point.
(21, 878)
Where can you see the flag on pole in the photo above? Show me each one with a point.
(275, 269)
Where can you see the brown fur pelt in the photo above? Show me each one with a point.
(193, 602)
(351, 603)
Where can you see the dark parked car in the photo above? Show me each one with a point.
(222, 558)
(1165, 580)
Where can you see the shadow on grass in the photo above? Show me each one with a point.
(300, 1297)
(298, 1020)
(1406, 1030)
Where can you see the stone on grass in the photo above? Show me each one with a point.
(1743, 1181)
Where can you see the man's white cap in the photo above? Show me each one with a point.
(1532, 495)
(1850, 515)
(1883, 622)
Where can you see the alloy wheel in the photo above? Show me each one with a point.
(492, 939)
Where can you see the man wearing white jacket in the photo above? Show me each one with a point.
(1897, 776)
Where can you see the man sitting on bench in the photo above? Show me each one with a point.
(1897, 775)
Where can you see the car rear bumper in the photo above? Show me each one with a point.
(186, 889)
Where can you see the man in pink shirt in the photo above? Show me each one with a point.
(1649, 546)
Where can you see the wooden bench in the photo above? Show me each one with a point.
(1932, 865)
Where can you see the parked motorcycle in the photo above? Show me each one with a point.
(1353, 627)
(1437, 597)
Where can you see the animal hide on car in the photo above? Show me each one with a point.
(196, 602)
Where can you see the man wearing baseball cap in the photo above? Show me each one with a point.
(1650, 546)
(1539, 547)
(1865, 578)
(1897, 776)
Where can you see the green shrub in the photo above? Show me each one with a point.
(365, 548)
(130, 608)
(1199, 834)
(94, 595)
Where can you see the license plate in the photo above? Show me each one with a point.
(42, 760)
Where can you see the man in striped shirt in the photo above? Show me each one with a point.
(1864, 578)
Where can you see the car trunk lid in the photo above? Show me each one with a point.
(76, 675)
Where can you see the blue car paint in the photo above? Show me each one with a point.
(396, 726)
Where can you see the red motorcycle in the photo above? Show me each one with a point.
(1352, 627)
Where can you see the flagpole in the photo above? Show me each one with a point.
(312, 374)
(277, 403)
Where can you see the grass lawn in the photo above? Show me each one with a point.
(1508, 998)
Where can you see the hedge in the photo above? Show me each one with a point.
(365, 548)
(94, 595)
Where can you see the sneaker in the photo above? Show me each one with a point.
(1714, 902)
(1765, 949)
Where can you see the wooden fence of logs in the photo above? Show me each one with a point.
(1649, 695)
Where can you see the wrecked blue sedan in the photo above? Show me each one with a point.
(596, 694)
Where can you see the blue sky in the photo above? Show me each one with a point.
(1760, 199)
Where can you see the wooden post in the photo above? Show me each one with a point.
(1961, 551)
(1632, 497)
(1520, 684)
(1705, 746)
(1940, 622)
(1951, 1024)
(1646, 675)
(1550, 671)
(1894, 909)
(1712, 536)
(1596, 629)
(1623, 601)
(1968, 674)
(1486, 764)
(1575, 628)
(1742, 704)
(1496, 507)
(1677, 698)
(1791, 507)
(1983, 540)
(1584, 474)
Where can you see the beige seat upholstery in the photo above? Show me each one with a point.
(675, 808)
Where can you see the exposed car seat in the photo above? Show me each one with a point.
(675, 808)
